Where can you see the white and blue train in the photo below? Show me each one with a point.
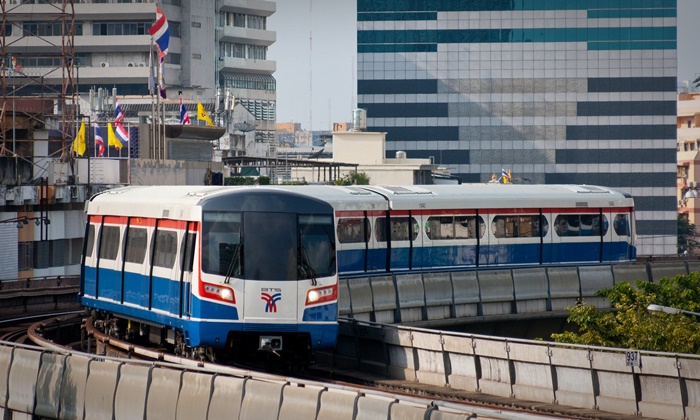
(226, 271)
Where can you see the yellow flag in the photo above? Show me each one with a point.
(112, 139)
(79, 142)
(202, 114)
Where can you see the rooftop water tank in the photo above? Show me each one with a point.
(359, 119)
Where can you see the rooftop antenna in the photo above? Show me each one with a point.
(311, 68)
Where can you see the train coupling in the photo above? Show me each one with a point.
(271, 343)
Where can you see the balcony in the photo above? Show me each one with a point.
(83, 11)
(247, 36)
(251, 7)
(242, 65)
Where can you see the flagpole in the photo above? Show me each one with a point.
(156, 144)
(151, 89)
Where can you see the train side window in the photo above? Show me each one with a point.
(136, 245)
(400, 228)
(403, 228)
(109, 242)
(90, 240)
(353, 230)
(504, 227)
(529, 226)
(621, 225)
(187, 251)
(440, 227)
(165, 249)
(380, 229)
(580, 225)
(457, 227)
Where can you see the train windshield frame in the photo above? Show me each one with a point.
(268, 245)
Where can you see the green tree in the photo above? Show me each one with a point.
(630, 325)
(354, 178)
(686, 235)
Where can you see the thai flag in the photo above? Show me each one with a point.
(121, 133)
(99, 141)
(184, 118)
(505, 175)
(118, 114)
(160, 31)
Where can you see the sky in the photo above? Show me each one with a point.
(316, 55)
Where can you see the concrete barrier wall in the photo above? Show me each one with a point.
(125, 389)
(415, 297)
(663, 386)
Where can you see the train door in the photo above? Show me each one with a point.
(548, 234)
(353, 233)
(165, 275)
(88, 285)
(136, 263)
(186, 266)
(270, 256)
(620, 236)
(109, 266)
(377, 244)
(398, 231)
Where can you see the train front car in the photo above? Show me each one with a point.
(213, 272)
(268, 260)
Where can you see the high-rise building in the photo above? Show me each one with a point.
(565, 91)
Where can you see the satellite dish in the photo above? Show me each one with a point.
(244, 126)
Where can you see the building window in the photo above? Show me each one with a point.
(174, 28)
(689, 122)
(173, 58)
(25, 256)
(122, 28)
(197, 56)
(48, 29)
(196, 25)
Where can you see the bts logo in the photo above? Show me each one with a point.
(271, 300)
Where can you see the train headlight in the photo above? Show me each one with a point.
(218, 292)
(313, 296)
(322, 294)
(226, 294)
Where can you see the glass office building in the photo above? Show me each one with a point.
(556, 91)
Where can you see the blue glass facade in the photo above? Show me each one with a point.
(557, 91)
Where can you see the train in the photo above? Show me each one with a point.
(219, 272)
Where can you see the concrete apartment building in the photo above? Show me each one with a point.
(688, 171)
(580, 92)
(55, 52)
(217, 55)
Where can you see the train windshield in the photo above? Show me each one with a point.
(268, 246)
(221, 243)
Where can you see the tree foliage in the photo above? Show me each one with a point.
(354, 178)
(631, 326)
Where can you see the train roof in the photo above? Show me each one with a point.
(503, 195)
(184, 201)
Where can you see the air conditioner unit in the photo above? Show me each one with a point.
(104, 64)
(142, 64)
(131, 65)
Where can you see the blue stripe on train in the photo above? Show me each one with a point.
(211, 333)
(352, 261)
(216, 319)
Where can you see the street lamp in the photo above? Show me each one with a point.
(24, 220)
(669, 310)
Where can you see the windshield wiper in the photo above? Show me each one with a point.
(305, 269)
(234, 261)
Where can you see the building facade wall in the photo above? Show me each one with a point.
(557, 92)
